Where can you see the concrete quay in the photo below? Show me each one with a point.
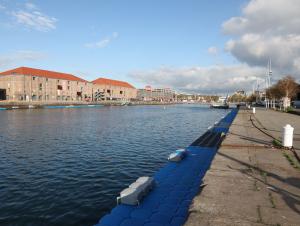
(250, 182)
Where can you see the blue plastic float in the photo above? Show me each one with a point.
(176, 184)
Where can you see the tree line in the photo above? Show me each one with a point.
(284, 90)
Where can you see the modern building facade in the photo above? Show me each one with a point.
(29, 84)
(149, 94)
(109, 89)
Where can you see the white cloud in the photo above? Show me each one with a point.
(35, 20)
(267, 29)
(103, 42)
(18, 57)
(212, 50)
(273, 17)
(215, 79)
(30, 16)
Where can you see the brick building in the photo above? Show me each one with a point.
(29, 84)
(109, 89)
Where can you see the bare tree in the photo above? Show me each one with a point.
(251, 98)
(274, 92)
(288, 86)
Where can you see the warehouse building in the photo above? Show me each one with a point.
(30, 84)
(109, 89)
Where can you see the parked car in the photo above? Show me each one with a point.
(296, 104)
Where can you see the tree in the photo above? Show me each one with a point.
(288, 86)
(237, 98)
(274, 92)
(286, 89)
(251, 98)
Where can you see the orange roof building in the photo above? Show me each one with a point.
(30, 84)
(42, 73)
(109, 89)
(111, 82)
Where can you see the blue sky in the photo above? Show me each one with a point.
(124, 40)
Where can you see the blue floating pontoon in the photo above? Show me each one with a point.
(176, 184)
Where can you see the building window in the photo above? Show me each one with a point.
(68, 87)
(46, 79)
(121, 92)
(59, 87)
(68, 82)
(108, 91)
(57, 81)
(33, 78)
(40, 86)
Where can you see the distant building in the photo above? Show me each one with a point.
(149, 94)
(30, 84)
(109, 89)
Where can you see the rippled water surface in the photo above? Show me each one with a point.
(66, 166)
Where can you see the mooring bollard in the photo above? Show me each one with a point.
(287, 136)
(253, 110)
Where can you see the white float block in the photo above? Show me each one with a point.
(175, 157)
(182, 152)
(138, 186)
(130, 196)
(148, 181)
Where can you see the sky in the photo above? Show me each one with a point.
(193, 46)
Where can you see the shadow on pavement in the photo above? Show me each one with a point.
(291, 199)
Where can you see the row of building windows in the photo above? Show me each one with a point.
(33, 78)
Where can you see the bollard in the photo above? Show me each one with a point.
(253, 110)
(287, 136)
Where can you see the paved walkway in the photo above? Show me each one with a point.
(272, 122)
(249, 182)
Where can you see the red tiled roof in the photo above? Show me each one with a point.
(42, 73)
(106, 81)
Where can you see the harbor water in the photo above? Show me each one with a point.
(66, 166)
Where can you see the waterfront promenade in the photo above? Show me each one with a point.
(250, 182)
